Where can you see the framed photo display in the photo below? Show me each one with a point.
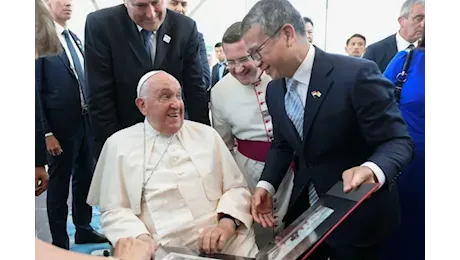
(311, 228)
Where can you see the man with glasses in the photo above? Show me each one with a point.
(338, 116)
(240, 115)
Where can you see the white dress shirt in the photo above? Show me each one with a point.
(303, 75)
(402, 44)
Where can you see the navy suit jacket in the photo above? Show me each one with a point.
(59, 94)
(117, 59)
(40, 147)
(215, 74)
(382, 51)
(355, 120)
(204, 61)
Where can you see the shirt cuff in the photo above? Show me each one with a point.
(48, 134)
(377, 172)
(267, 186)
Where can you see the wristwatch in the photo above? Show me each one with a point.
(236, 221)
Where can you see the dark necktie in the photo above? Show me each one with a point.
(411, 46)
(76, 64)
(146, 37)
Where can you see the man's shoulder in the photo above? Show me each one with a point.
(198, 131)
(346, 63)
(183, 22)
(383, 42)
(106, 14)
(123, 134)
(226, 83)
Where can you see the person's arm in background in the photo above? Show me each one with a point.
(101, 85)
(41, 177)
(125, 249)
(196, 99)
(204, 62)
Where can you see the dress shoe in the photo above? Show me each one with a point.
(89, 237)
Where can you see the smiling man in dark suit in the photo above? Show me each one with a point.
(337, 116)
(124, 42)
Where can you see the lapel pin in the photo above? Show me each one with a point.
(316, 94)
(166, 38)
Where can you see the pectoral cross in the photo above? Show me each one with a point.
(143, 195)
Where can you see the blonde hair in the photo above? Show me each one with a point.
(46, 40)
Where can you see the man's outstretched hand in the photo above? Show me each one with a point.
(262, 207)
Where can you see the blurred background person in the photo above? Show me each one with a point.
(309, 28)
(411, 27)
(356, 45)
(47, 44)
(219, 70)
(181, 6)
(408, 242)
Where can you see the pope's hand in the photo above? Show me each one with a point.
(213, 239)
(133, 249)
(262, 207)
(354, 177)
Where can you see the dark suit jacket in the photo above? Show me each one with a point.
(382, 51)
(59, 94)
(215, 74)
(355, 120)
(40, 147)
(204, 61)
(116, 59)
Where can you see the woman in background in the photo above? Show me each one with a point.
(409, 241)
(47, 43)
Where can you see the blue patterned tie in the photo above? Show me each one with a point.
(295, 112)
(146, 37)
(77, 65)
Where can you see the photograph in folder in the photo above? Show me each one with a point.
(311, 228)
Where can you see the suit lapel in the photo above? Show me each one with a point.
(78, 42)
(131, 32)
(65, 60)
(164, 40)
(318, 88)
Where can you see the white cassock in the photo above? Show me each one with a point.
(240, 112)
(188, 179)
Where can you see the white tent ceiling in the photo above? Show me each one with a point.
(374, 19)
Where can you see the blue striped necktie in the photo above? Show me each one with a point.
(295, 112)
(77, 65)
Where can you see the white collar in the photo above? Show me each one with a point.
(59, 28)
(150, 131)
(401, 43)
(140, 29)
(303, 72)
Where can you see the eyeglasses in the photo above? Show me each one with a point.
(255, 55)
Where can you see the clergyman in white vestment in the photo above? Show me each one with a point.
(170, 181)
(239, 112)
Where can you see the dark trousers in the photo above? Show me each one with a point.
(76, 161)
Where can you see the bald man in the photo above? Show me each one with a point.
(170, 181)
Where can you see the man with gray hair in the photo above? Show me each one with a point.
(337, 116)
(412, 25)
(240, 114)
(170, 181)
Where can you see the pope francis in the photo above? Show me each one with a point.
(172, 182)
